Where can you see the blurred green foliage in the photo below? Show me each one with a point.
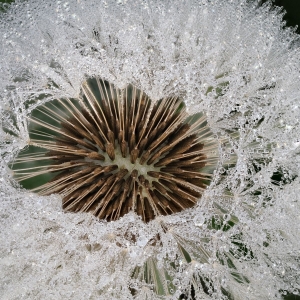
(4, 4)
(292, 8)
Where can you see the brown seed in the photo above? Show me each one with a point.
(110, 149)
(134, 155)
(96, 156)
(159, 187)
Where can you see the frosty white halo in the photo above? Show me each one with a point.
(117, 152)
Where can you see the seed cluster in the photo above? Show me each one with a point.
(113, 151)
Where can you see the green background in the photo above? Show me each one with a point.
(292, 18)
(292, 8)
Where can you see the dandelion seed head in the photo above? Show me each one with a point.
(229, 61)
(121, 153)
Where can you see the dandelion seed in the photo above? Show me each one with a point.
(121, 153)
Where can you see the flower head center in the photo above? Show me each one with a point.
(113, 151)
